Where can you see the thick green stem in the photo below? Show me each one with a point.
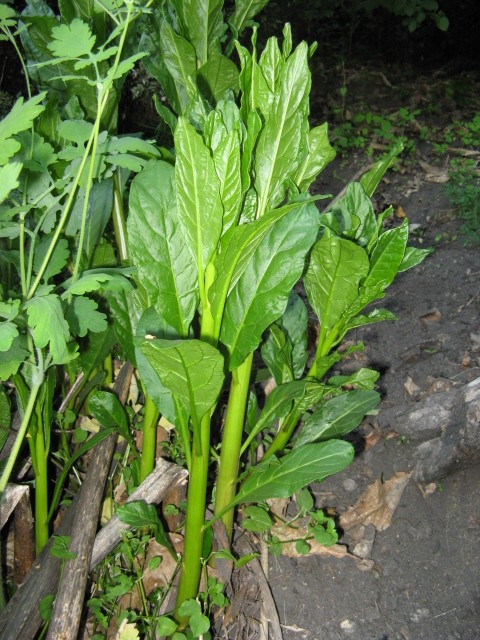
(232, 442)
(195, 518)
(150, 420)
(41, 491)
(20, 436)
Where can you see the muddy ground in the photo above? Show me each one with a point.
(421, 579)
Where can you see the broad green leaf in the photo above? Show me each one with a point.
(20, 118)
(277, 355)
(200, 209)
(377, 315)
(72, 40)
(271, 63)
(9, 178)
(179, 59)
(49, 327)
(283, 134)
(127, 308)
(237, 249)
(352, 216)
(412, 257)
(82, 317)
(191, 369)
(254, 126)
(282, 478)
(370, 180)
(11, 360)
(387, 257)
(151, 323)
(226, 158)
(256, 518)
(320, 154)
(325, 363)
(8, 333)
(203, 22)
(107, 409)
(278, 404)
(362, 379)
(8, 16)
(261, 293)
(216, 77)
(261, 97)
(295, 322)
(332, 279)
(165, 265)
(245, 10)
(337, 416)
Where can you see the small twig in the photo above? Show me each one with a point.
(439, 615)
(73, 389)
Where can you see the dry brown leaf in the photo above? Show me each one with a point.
(371, 438)
(411, 387)
(434, 174)
(432, 316)
(377, 504)
(400, 212)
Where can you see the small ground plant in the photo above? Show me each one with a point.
(463, 191)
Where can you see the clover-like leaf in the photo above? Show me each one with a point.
(82, 316)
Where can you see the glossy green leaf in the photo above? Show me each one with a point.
(127, 308)
(178, 56)
(377, 315)
(284, 132)
(254, 126)
(107, 409)
(412, 257)
(245, 10)
(364, 378)
(295, 322)
(261, 293)
(165, 265)
(49, 327)
(200, 209)
(191, 369)
(203, 22)
(352, 216)
(227, 165)
(282, 478)
(370, 180)
(332, 279)
(337, 416)
(278, 404)
(216, 77)
(320, 154)
(387, 257)
(271, 63)
(277, 355)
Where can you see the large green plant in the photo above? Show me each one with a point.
(219, 239)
